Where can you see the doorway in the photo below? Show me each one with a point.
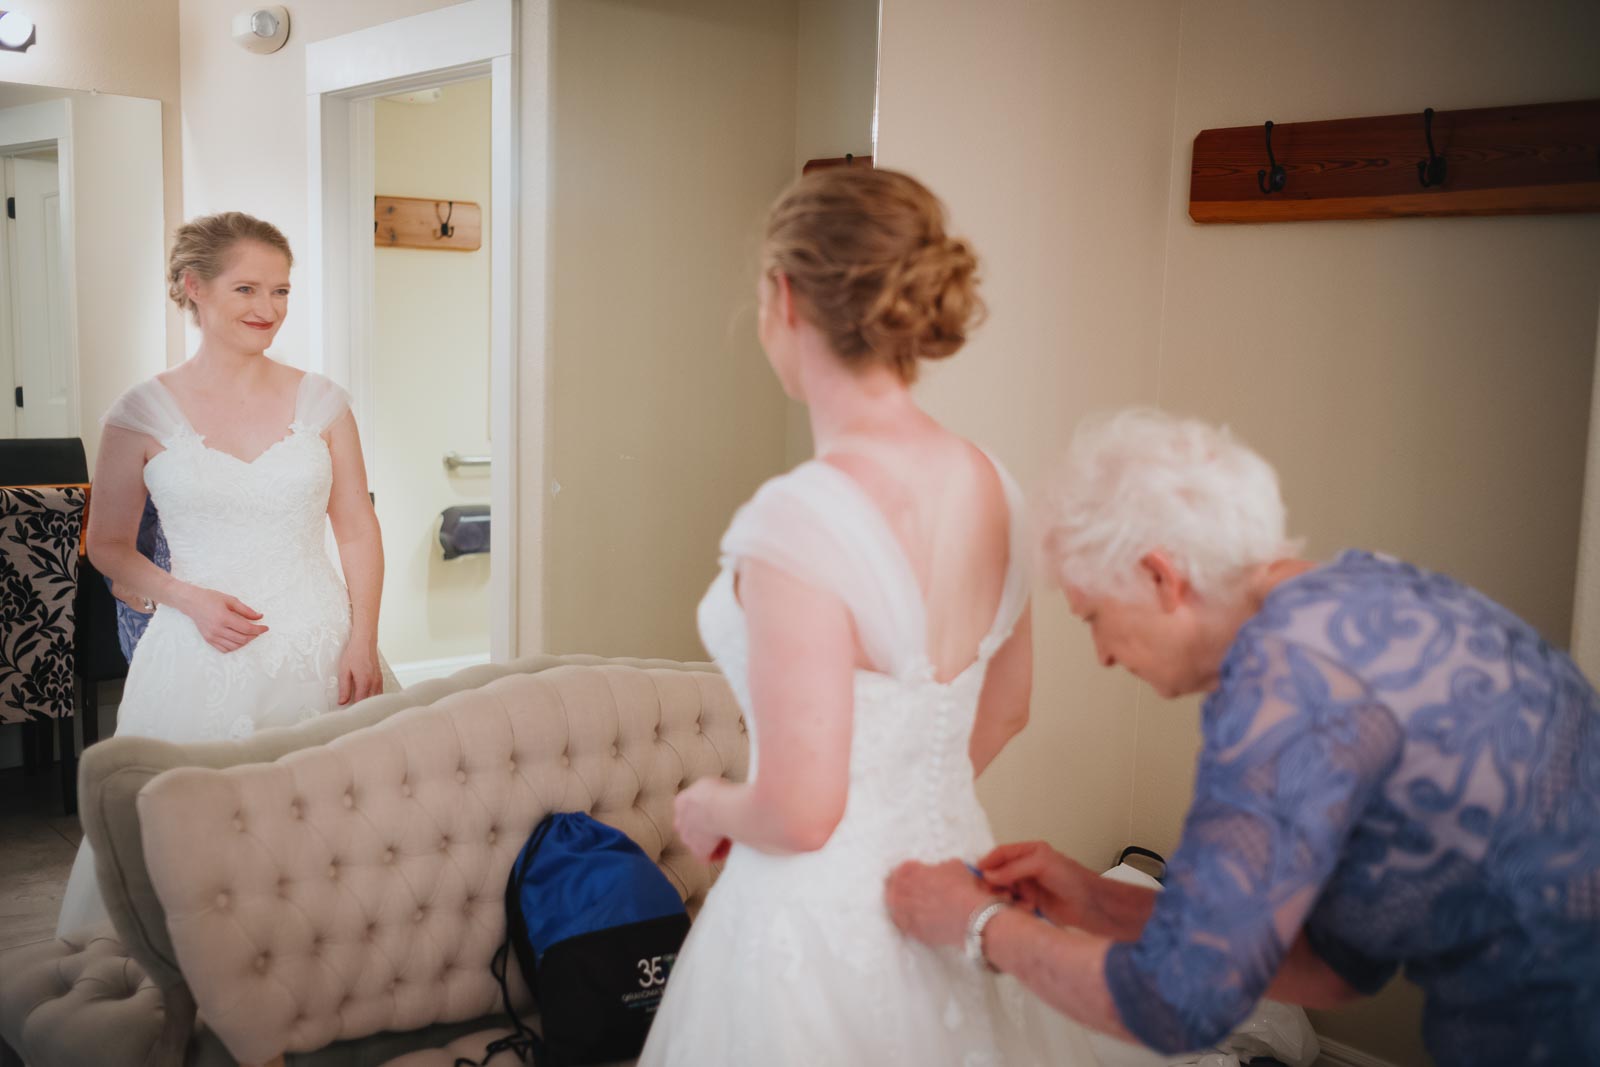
(464, 53)
(431, 450)
(35, 342)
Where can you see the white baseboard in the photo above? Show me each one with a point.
(1338, 1054)
(421, 670)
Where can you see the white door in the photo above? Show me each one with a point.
(42, 398)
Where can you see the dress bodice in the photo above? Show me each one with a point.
(911, 781)
(256, 529)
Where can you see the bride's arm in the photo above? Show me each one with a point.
(802, 695)
(115, 508)
(1007, 692)
(355, 528)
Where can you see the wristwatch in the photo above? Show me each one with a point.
(975, 924)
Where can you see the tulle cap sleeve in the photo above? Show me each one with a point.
(320, 403)
(147, 408)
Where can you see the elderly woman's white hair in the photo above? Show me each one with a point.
(1141, 480)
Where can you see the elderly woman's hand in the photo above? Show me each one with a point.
(933, 903)
(1042, 878)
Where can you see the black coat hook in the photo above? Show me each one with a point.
(1275, 178)
(1430, 171)
(445, 229)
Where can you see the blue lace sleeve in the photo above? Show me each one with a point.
(1294, 747)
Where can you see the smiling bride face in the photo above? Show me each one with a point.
(231, 272)
(244, 306)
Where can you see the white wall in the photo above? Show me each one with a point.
(130, 48)
(119, 259)
(430, 368)
(244, 120)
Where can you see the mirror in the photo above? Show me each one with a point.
(673, 125)
(82, 303)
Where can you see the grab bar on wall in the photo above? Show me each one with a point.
(455, 461)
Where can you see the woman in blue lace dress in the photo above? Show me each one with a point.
(1396, 772)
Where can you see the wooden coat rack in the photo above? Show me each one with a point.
(846, 160)
(1535, 159)
(409, 222)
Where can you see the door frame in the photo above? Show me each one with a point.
(344, 75)
(27, 128)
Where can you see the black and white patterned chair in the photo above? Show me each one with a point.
(40, 537)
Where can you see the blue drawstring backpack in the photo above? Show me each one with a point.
(596, 928)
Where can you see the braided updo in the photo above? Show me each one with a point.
(866, 253)
(201, 247)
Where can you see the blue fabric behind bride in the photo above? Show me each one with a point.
(152, 545)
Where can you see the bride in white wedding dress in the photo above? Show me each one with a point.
(246, 460)
(872, 617)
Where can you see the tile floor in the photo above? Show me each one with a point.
(37, 845)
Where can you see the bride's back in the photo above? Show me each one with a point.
(946, 507)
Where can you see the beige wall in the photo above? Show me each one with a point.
(129, 48)
(1586, 609)
(672, 130)
(1051, 144)
(431, 380)
(836, 96)
(1422, 385)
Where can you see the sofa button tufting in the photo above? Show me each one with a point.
(418, 915)
(566, 760)
(295, 811)
(349, 799)
(238, 824)
(388, 855)
(263, 961)
(223, 901)
(492, 835)
(461, 776)
(405, 789)
(333, 871)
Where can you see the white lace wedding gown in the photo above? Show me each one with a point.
(256, 531)
(793, 959)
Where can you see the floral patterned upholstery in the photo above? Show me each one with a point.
(40, 532)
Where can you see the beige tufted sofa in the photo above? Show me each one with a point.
(332, 893)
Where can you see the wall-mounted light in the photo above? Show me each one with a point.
(17, 32)
(263, 30)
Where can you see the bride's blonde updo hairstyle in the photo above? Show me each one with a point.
(868, 259)
(201, 247)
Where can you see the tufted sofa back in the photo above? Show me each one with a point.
(357, 886)
(112, 773)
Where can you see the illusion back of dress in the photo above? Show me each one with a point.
(793, 959)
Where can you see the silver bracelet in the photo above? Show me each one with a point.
(975, 925)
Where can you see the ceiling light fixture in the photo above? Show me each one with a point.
(17, 32)
(263, 30)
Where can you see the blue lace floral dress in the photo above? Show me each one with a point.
(1408, 771)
